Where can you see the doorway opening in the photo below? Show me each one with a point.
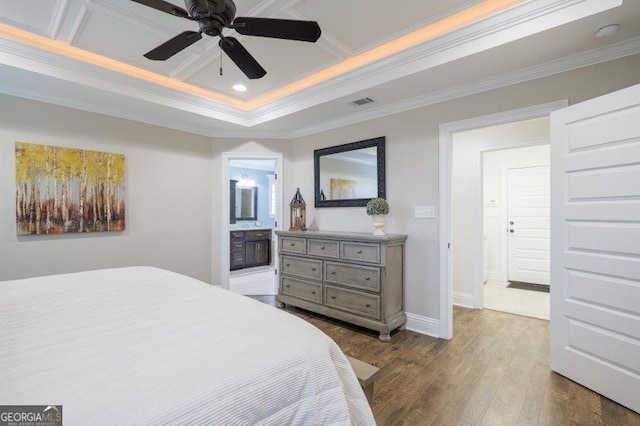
(252, 192)
(468, 242)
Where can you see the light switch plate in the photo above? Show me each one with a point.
(424, 212)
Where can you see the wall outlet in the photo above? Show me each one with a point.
(424, 212)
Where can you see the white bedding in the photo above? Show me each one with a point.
(147, 346)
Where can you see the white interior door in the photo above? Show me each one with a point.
(528, 224)
(595, 245)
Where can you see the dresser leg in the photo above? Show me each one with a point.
(403, 327)
(384, 337)
(279, 304)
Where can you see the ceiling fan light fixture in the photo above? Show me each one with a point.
(239, 87)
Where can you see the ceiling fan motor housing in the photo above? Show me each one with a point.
(211, 23)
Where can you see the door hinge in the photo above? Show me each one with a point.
(448, 245)
(275, 271)
(275, 176)
(276, 224)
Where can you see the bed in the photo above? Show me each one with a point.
(143, 345)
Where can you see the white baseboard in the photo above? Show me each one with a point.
(466, 300)
(423, 325)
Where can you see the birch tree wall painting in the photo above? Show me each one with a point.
(66, 190)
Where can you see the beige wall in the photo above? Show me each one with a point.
(168, 194)
(412, 162)
(175, 222)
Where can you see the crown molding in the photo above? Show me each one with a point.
(38, 61)
(580, 60)
(22, 92)
(512, 24)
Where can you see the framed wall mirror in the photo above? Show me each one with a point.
(244, 202)
(349, 175)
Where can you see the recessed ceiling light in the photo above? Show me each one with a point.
(239, 87)
(607, 31)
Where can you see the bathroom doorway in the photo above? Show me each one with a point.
(251, 215)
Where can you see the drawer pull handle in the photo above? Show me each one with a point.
(333, 272)
(313, 269)
(287, 286)
(333, 297)
(368, 305)
(293, 244)
(313, 292)
(367, 278)
(359, 251)
(288, 264)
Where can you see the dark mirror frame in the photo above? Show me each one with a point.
(379, 143)
(233, 200)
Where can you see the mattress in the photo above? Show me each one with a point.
(143, 345)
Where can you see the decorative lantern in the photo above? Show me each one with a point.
(298, 213)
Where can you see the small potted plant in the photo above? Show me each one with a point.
(378, 209)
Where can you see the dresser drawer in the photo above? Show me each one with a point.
(237, 245)
(257, 235)
(300, 267)
(323, 248)
(293, 245)
(360, 252)
(364, 304)
(356, 276)
(301, 289)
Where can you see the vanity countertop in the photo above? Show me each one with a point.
(248, 228)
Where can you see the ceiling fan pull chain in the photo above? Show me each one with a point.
(221, 72)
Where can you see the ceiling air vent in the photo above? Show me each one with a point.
(362, 101)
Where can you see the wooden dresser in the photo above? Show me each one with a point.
(357, 278)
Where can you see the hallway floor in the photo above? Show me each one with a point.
(498, 297)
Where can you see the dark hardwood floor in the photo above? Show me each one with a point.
(495, 371)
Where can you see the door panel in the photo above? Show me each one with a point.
(595, 245)
(528, 211)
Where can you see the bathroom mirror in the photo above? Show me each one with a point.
(349, 175)
(244, 202)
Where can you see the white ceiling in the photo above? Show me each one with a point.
(42, 48)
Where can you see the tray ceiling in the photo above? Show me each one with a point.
(91, 50)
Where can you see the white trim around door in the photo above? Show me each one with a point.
(444, 201)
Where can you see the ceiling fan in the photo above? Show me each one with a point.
(215, 15)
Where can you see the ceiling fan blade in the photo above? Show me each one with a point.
(243, 59)
(278, 28)
(173, 46)
(164, 6)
